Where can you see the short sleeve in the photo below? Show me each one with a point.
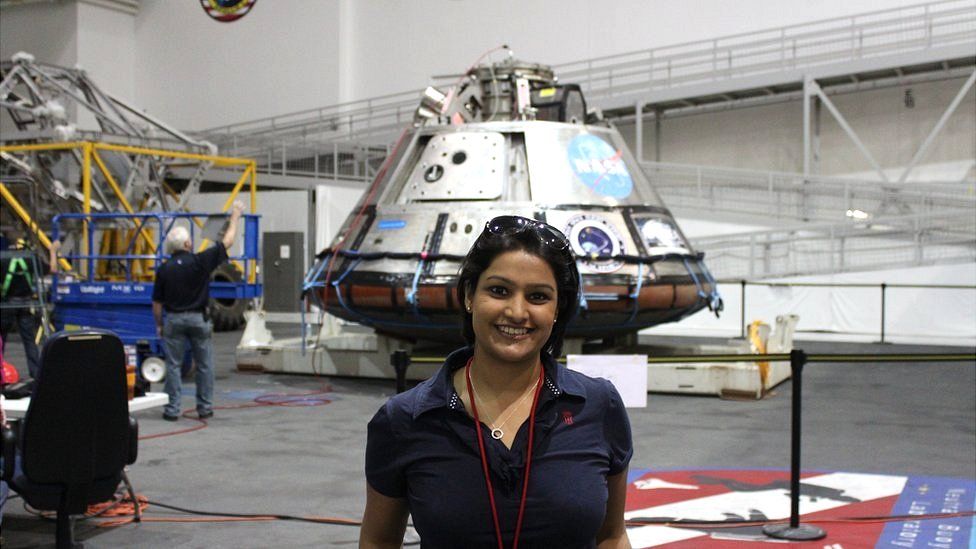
(619, 441)
(158, 292)
(383, 470)
(212, 257)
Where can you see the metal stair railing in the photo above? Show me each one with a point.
(331, 161)
(871, 34)
(345, 122)
(769, 196)
(883, 32)
(814, 249)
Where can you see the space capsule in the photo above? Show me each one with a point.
(508, 138)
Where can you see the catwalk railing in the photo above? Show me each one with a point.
(332, 161)
(872, 34)
(792, 197)
(878, 33)
(855, 245)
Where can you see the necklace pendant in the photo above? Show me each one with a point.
(497, 433)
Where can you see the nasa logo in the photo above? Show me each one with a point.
(595, 238)
(226, 11)
(827, 499)
(599, 166)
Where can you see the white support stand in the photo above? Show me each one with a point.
(347, 349)
(256, 331)
(339, 349)
(726, 379)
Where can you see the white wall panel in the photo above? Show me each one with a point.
(195, 72)
(106, 50)
(332, 206)
(770, 137)
(893, 132)
(399, 45)
(47, 31)
(270, 206)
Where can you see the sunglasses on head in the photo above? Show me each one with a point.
(505, 225)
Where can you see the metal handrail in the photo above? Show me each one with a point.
(779, 173)
(712, 46)
(854, 39)
(349, 107)
(885, 224)
(767, 195)
(824, 248)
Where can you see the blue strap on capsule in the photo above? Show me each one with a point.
(637, 289)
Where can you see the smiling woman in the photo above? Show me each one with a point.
(479, 454)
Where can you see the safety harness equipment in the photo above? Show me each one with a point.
(15, 264)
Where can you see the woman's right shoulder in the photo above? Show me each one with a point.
(404, 406)
(432, 393)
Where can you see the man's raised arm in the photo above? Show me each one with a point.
(231, 231)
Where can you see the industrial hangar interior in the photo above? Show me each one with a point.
(766, 211)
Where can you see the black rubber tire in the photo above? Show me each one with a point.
(227, 314)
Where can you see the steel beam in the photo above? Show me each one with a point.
(807, 92)
(924, 149)
(639, 130)
(843, 124)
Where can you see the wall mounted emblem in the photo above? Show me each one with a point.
(227, 11)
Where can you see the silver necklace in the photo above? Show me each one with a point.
(496, 430)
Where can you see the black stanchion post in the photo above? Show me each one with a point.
(794, 530)
(883, 299)
(742, 305)
(400, 360)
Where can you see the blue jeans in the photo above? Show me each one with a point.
(19, 311)
(178, 329)
(3, 494)
(4, 488)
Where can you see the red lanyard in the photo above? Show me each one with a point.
(484, 458)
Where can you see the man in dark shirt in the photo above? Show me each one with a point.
(19, 300)
(182, 290)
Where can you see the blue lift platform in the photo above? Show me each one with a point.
(113, 290)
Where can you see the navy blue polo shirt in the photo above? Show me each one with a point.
(183, 283)
(422, 446)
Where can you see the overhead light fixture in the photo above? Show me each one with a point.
(858, 214)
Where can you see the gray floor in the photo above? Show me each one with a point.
(907, 418)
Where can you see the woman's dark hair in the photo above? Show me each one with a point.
(534, 238)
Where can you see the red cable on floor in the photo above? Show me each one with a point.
(289, 400)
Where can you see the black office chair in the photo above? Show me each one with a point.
(76, 437)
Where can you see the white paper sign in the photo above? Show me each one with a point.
(627, 373)
(284, 252)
